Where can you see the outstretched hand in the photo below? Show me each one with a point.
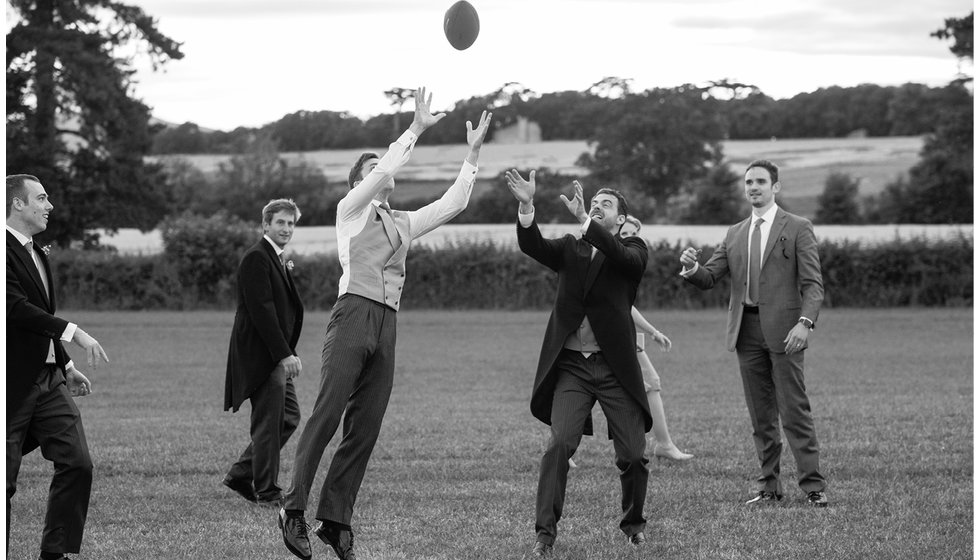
(576, 205)
(475, 136)
(522, 190)
(423, 112)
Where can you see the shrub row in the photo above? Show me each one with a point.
(484, 276)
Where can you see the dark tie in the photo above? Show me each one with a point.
(282, 262)
(755, 263)
(40, 268)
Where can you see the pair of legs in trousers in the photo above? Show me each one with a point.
(49, 418)
(275, 416)
(356, 379)
(582, 381)
(774, 390)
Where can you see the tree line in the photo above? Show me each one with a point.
(72, 122)
(743, 113)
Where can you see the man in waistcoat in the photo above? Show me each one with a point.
(359, 347)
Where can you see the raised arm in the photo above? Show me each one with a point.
(397, 155)
(455, 199)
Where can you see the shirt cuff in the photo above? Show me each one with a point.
(687, 272)
(407, 138)
(69, 366)
(525, 219)
(585, 226)
(468, 171)
(69, 332)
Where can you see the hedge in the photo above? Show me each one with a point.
(484, 276)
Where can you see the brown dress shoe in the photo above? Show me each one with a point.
(541, 550)
(764, 497)
(637, 539)
(339, 539)
(816, 499)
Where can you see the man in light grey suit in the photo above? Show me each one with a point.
(776, 292)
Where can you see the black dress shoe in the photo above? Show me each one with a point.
(816, 499)
(242, 487)
(294, 534)
(764, 497)
(62, 557)
(339, 539)
(541, 550)
(637, 539)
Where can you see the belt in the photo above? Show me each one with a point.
(750, 309)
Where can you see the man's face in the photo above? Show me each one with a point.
(280, 228)
(605, 210)
(388, 187)
(760, 191)
(34, 210)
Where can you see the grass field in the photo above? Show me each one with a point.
(454, 473)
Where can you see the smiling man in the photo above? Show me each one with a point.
(588, 353)
(41, 379)
(776, 292)
(262, 360)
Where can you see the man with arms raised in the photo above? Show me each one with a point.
(359, 348)
(588, 353)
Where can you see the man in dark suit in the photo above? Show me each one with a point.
(41, 379)
(262, 360)
(588, 352)
(776, 292)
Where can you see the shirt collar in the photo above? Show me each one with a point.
(769, 216)
(24, 240)
(279, 250)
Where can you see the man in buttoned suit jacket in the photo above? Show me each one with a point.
(41, 378)
(770, 333)
(588, 353)
(262, 360)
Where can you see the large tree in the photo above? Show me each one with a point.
(72, 119)
(657, 141)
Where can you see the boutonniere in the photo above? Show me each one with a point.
(290, 265)
(46, 249)
(782, 245)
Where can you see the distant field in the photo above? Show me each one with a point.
(804, 163)
(454, 472)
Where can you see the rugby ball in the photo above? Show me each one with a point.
(461, 25)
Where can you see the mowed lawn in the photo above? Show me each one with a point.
(455, 471)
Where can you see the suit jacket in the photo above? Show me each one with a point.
(601, 288)
(31, 322)
(268, 322)
(790, 283)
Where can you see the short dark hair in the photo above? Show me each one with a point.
(17, 188)
(620, 199)
(768, 166)
(355, 171)
(278, 205)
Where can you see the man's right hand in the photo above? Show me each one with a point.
(689, 257)
(93, 350)
(423, 113)
(522, 190)
(292, 365)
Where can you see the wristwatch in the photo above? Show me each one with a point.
(806, 323)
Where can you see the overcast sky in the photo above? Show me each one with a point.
(249, 62)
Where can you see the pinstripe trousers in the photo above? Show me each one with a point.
(582, 381)
(356, 379)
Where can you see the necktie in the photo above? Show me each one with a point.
(384, 212)
(755, 262)
(282, 262)
(40, 268)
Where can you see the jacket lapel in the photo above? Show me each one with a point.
(740, 265)
(779, 223)
(28, 263)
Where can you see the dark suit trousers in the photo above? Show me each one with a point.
(774, 390)
(582, 381)
(49, 416)
(275, 415)
(356, 379)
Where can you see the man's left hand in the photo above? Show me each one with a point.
(576, 205)
(796, 339)
(78, 384)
